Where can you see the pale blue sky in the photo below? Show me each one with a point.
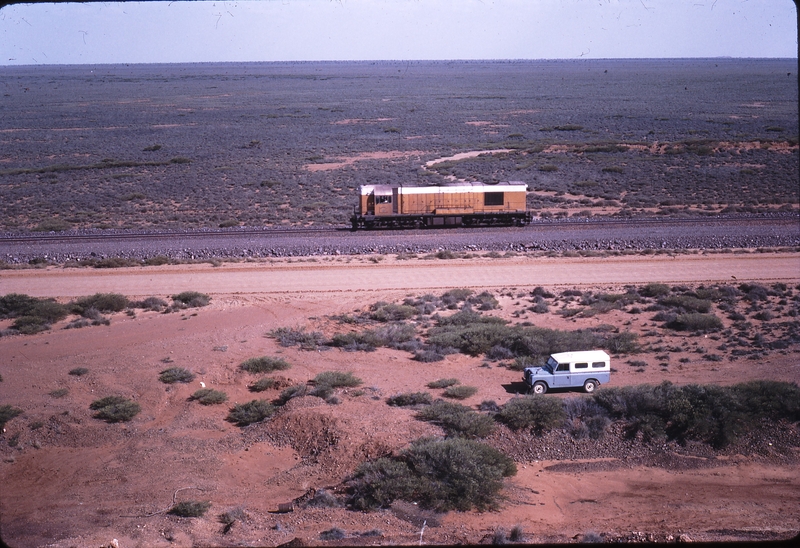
(299, 30)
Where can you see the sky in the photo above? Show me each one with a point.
(330, 30)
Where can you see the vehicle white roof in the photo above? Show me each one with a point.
(507, 186)
(581, 356)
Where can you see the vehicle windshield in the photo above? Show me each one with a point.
(551, 364)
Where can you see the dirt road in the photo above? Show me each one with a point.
(336, 275)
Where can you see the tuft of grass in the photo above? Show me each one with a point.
(115, 409)
(59, 393)
(78, 371)
(209, 396)
(192, 299)
(460, 391)
(297, 336)
(176, 374)
(410, 398)
(443, 383)
(190, 509)
(333, 533)
(336, 379)
(262, 385)
(264, 364)
(251, 412)
(7, 413)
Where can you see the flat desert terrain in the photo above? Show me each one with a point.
(70, 479)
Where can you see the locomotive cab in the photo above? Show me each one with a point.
(378, 200)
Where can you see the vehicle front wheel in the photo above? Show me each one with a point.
(590, 386)
(539, 388)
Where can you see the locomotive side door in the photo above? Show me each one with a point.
(370, 204)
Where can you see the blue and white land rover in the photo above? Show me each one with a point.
(588, 369)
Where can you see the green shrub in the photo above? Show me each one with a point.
(115, 409)
(389, 312)
(296, 391)
(457, 420)
(150, 303)
(410, 398)
(192, 299)
(539, 413)
(291, 336)
(190, 509)
(695, 322)
(460, 391)
(59, 392)
(7, 413)
(176, 374)
(336, 379)
(103, 302)
(16, 304)
(31, 315)
(262, 384)
(451, 298)
(78, 371)
(686, 302)
(621, 343)
(443, 383)
(484, 301)
(248, 413)
(333, 533)
(209, 396)
(264, 364)
(451, 474)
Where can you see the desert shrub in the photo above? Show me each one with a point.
(517, 534)
(622, 343)
(333, 533)
(410, 398)
(250, 412)
(115, 409)
(390, 312)
(539, 413)
(322, 499)
(366, 341)
(32, 315)
(686, 302)
(209, 396)
(176, 374)
(336, 379)
(298, 336)
(695, 322)
(261, 385)
(451, 298)
(59, 392)
(190, 509)
(498, 352)
(16, 304)
(483, 301)
(585, 417)
(78, 371)
(153, 304)
(394, 335)
(654, 290)
(294, 391)
(264, 364)
(451, 474)
(7, 413)
(428, 356)
(460, 391)
(104, 302)
(457, 420)
(192, 299)
(443, 383)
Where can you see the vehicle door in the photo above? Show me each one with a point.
(562, 376)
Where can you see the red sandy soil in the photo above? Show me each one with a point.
(71, 480)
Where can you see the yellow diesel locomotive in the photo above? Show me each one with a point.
(462, 204)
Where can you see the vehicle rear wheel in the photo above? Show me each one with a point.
(590, 386)
(539, 388)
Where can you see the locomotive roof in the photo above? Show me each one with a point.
(505, 186)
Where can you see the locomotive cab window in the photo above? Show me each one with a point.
(493, 198)
(383, 199)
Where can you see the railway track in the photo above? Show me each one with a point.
(550, 235)
(328, 231)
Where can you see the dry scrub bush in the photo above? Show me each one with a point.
(457, 420)
(264, 364)
(190, 509)
(261, 385)
(115, 409)
(191, 299)
(172, 375)
(248, 413)
(410, 398)
(460, 392)
(7, 413)
(209, 396)
(539, 413)
(451, 474)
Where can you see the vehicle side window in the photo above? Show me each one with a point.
(383, 199)
(598, 365)
(493, 198)
(581, 366)
(563, 367)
